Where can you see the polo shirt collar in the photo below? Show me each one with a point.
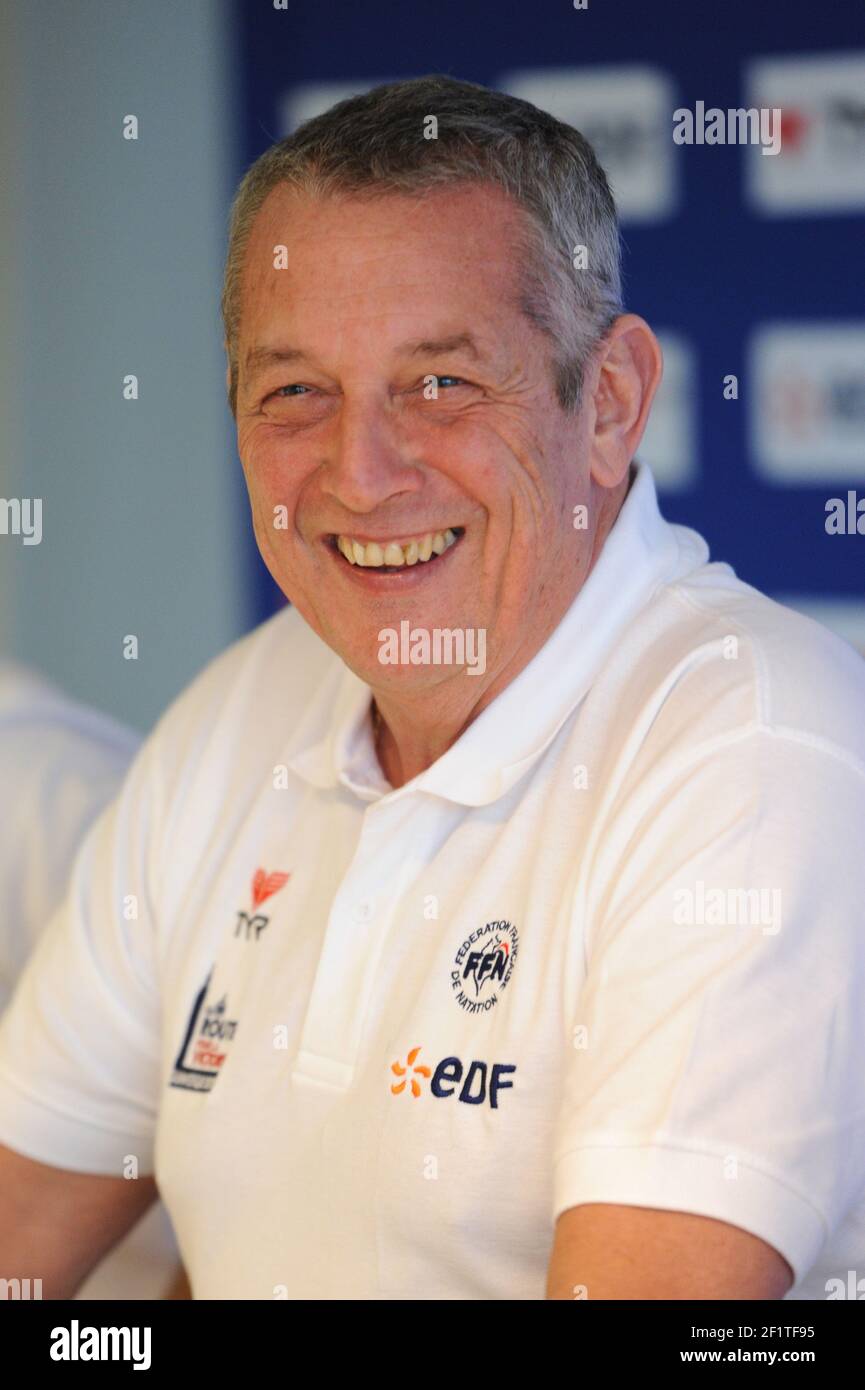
(641, 552)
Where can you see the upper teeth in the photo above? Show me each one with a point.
(375, 553)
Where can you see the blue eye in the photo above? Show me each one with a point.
(443, 379)
(281, 391)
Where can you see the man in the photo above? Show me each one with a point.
(487, 924)
(60, 765)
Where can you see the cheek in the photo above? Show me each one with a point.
(273, 474)
(529, 462)
(482, 460)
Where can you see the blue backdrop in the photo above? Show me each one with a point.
(726, 249)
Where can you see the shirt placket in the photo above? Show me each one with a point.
(359, 923)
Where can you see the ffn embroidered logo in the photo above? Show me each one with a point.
(264, 885)
(483, 966)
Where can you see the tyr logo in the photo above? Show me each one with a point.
(249, 925)
(264, 885)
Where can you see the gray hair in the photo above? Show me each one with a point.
(373, 144)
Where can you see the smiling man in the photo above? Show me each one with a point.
(409, 979)
(451, 480)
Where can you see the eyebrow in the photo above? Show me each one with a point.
(258, 358)
(437, 347)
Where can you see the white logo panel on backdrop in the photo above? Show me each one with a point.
(626, 115)
(807, 401)
(820, 167)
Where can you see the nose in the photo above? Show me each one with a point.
(369, 458)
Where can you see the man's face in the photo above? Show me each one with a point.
(390, 391)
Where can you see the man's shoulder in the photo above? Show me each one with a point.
(723, 659)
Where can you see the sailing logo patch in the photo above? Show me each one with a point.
(206, 1043)
(483, 966)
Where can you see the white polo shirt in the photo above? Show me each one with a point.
(608, 948)
(61, 763)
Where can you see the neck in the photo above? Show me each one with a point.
(414, 729)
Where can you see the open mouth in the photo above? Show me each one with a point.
(396, 557)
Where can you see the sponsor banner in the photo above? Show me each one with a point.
(807, 402)
(626, 114)
(820, 167)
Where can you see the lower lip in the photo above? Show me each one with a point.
(406, 577)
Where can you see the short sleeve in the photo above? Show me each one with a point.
(80, 1040)
(720, 1031)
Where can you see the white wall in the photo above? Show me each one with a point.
(110, 262)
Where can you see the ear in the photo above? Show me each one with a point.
(627, 374)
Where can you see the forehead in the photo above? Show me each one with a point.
(364, 259)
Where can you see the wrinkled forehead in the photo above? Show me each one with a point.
(363, 258)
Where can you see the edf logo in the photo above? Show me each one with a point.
(449, 1075)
